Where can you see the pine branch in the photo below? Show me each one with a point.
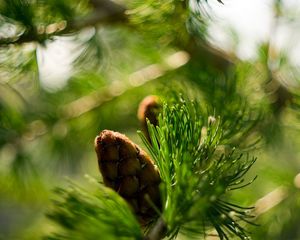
(105, 11)
(195, 178)
(270, 200)
(83, 214)
(108, 12)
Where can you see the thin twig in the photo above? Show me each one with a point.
(270, 200)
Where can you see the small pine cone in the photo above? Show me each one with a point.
(149, 108)
(127, 169)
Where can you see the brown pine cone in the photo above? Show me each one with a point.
(127, 169)
(149, 108)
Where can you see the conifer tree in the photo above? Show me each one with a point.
(178, 164)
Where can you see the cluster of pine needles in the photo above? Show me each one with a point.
(198, 173)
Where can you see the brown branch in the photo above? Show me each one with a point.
(270, 200)
(105, 11)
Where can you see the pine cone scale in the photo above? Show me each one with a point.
(127, 169)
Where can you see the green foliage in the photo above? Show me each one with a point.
(31, 21)
(17, 62)
(11, 123)
(196, 177)
(33, 13)
(182, 20)
(225, 95)
(45, 134)
(152, 13)
(19, 10)
(103, 214)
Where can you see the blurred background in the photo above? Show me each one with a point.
(71, 69)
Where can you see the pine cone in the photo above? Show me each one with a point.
(127, 169)
(149, 108)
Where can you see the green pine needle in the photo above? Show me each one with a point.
(196, 178)
(195, 174)
(100, 214)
